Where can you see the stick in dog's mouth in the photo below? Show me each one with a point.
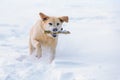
(59, 32)
(54, 34)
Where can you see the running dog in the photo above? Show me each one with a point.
(39, 39)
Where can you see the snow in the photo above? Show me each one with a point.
(90, 52)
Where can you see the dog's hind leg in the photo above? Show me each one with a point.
(52, 55)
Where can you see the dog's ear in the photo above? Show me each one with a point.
(43, 16)
(64, 19)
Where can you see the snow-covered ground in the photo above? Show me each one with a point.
(90, 52)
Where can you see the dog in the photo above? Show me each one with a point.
(39, 39)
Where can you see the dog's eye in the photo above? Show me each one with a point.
(50, 24)
(58, 24)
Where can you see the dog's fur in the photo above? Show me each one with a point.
(39, 39)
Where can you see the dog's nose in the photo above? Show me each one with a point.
(55, 29)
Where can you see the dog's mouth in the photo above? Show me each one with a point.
(54, 35)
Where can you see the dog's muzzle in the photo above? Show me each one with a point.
(54, 32)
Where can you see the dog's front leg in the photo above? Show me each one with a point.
(38, 49)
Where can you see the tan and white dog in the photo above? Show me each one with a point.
(39, 39)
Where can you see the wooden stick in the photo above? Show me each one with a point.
(60, 32)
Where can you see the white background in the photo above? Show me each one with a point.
(90, 52)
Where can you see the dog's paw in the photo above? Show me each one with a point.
(38, 56)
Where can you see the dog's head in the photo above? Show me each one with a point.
(53, 24)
